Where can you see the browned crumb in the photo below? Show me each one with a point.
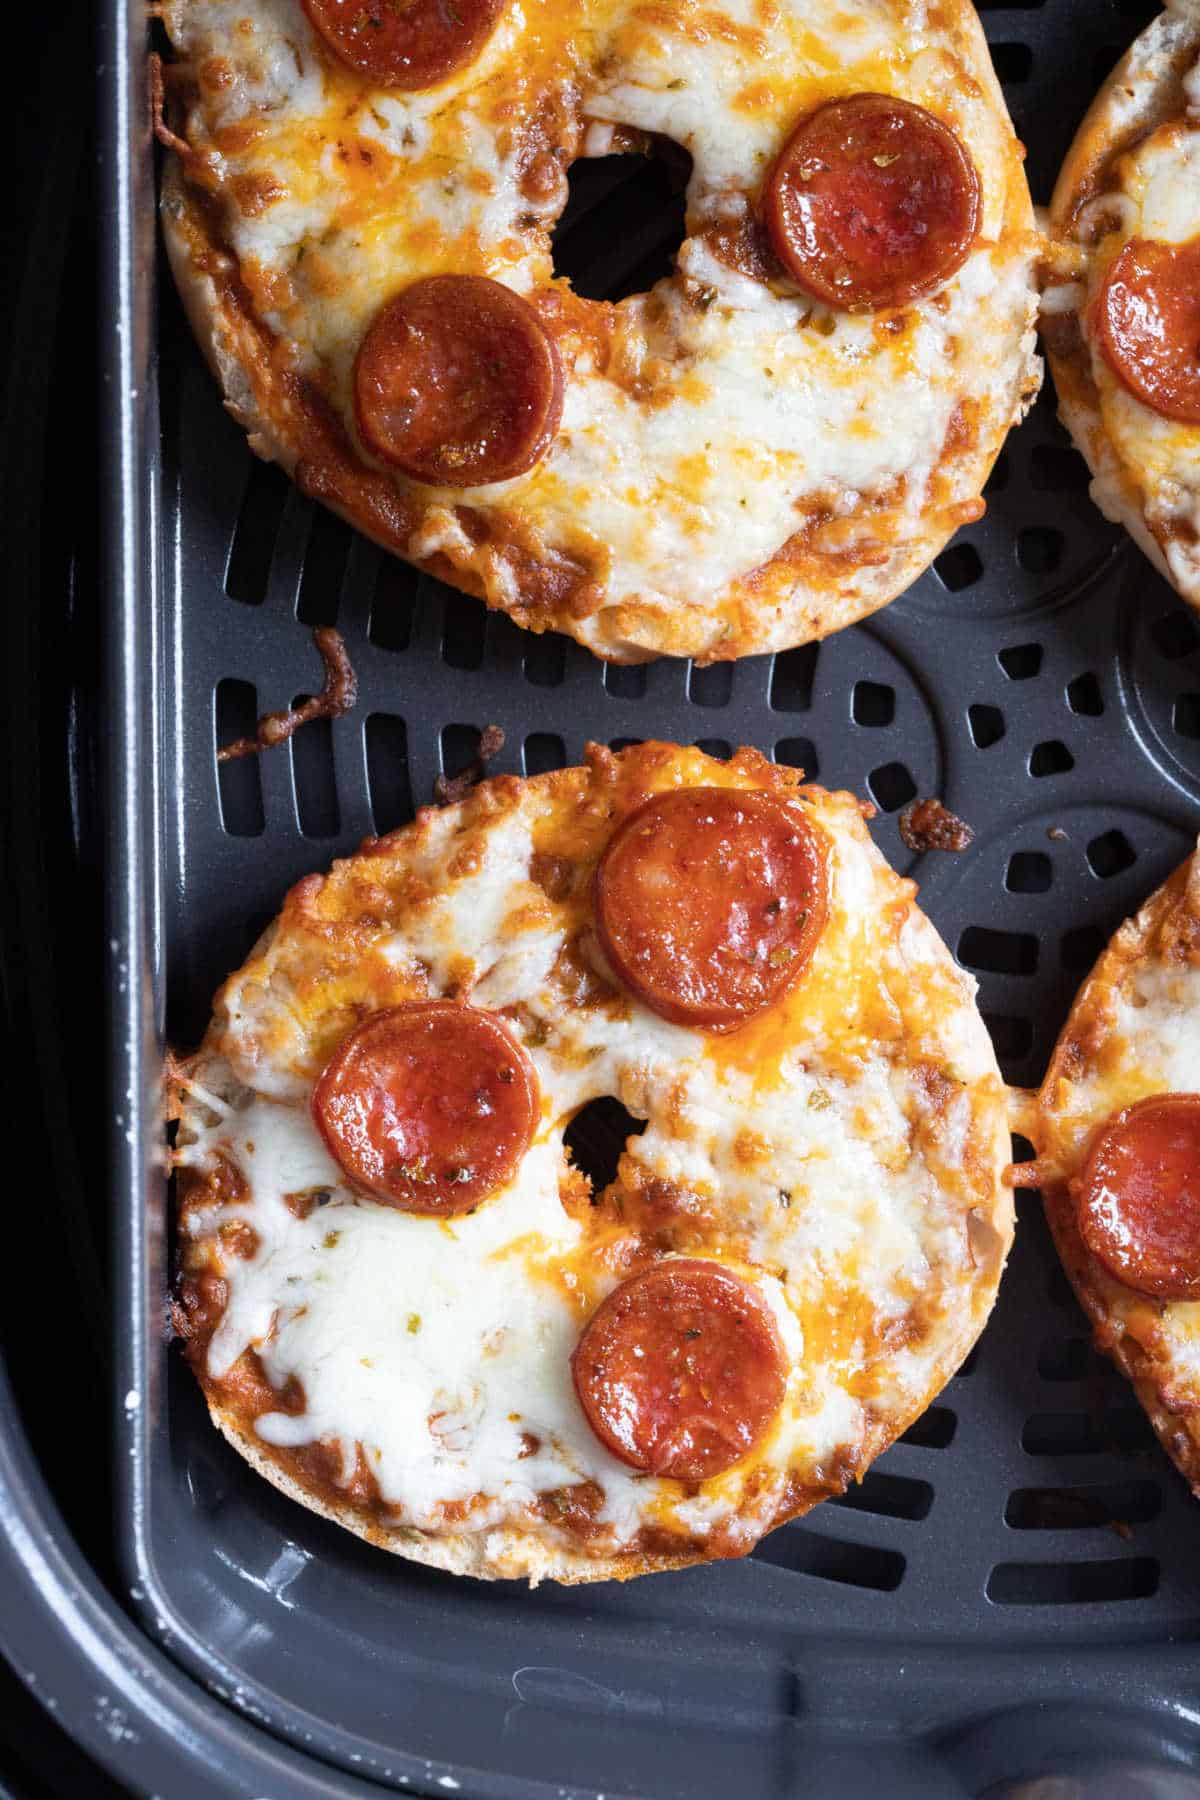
(337, 696)
(928, 825)
(161, 129)
(449, 788)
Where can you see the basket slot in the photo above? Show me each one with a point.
(799, 753)
(239, 783)
(1118, 1505)
(890, 1496)
(313, 770)
(1073, 1583)
(934, 1430)
(252, 546)
(803, 1552)
(325, 559)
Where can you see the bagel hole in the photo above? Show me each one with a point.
(596, 1137)
(624, 220)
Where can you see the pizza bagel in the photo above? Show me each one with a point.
(1117, 1129)
(1122, 321)
(412, 1312)
(773, 441)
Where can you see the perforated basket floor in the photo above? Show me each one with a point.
(1027, 1544)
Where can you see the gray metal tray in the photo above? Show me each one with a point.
(1014, 1587)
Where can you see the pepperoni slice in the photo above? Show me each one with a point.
(457, 382)
(871, 202)
(405, 43)
(430, 1106)
(709, 902)
(681, 1370)
(1139, 1196)
(1147, 322)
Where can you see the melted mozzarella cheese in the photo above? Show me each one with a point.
(740, 416)
(437, 1345)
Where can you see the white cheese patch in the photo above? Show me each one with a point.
(1191, 90)
(1155, 1029)
(1168, 176)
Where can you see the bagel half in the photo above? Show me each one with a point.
(738, 468)
(1131, 1034)
(1145, 468)
(840, 1151)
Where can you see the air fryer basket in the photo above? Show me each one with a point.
(1015, 1584)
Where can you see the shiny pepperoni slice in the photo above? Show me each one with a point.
(1147, 322)
(405, 43)
(681, 1370)
(430, 1106)
(457, 382)
(709, 902)
(1139, 1196)
(872, 202)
